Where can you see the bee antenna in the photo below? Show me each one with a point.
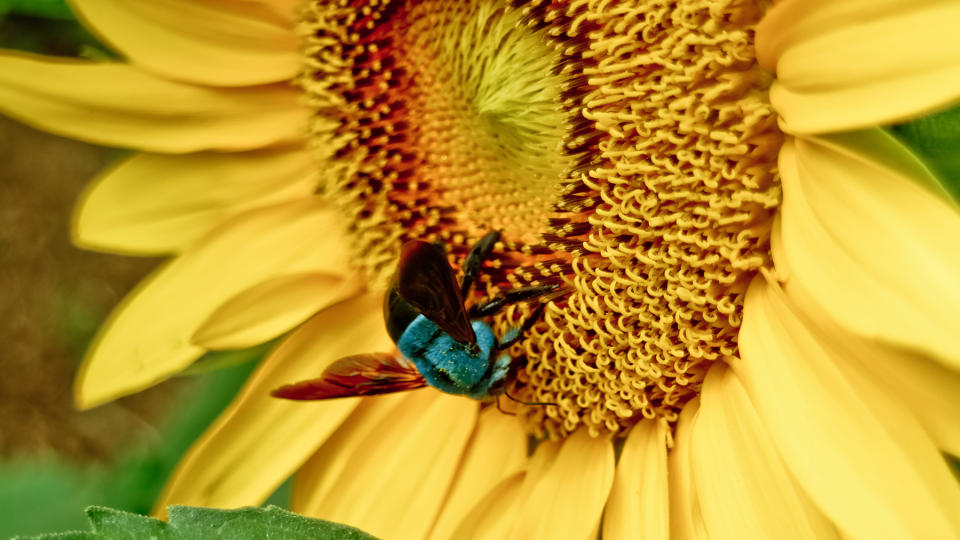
(506, 393)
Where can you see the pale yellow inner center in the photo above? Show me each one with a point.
(489, 114)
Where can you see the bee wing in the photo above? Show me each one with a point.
(426, 281)
(359, 375)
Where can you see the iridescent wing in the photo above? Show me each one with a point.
(426, 281)
(360, 375)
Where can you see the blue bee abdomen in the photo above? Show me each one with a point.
(444, 363)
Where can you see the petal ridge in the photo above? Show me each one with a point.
(839, 449)
(213, 42)
(147, 337)
(116, 104)
(158, 204)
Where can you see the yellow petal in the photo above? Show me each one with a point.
(493, 515)
(498, 450)
(155, 204)
(214, 42)
(870, 246)
(880, 147)
(898, 416)
(871, 481)
(317, 476)
(686, 518)
(395, 478)
(567, 498)
(788, 22)
(542, 460)
(147, 338)
(858, 63)
(283, 10)
(271, 308)
(259, 440)
(639, 501)
(120, 105)
(742, 485)
(931, 390)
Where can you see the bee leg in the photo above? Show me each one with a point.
(478, 253)
(514, 335)
(499, 408)
(528, 402)
(494, 305)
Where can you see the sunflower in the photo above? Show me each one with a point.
(760, 335)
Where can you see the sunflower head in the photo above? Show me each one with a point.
(769, 362)
(627, 152)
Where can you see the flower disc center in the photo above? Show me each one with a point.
(445, 120)
(489, 121)
(627, 151)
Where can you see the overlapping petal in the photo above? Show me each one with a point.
(271, 308)
(931, 390)
(902, 422)
(147, 338)
(155, 204)
(566, 499)
(639, 501)
(493, 515)
(394, 476)
(744, 489)
(315, 478)
(543, 458)
(212, 42)
(497, 451)
(850, 64)
(789, 22)
(259, 440)
(841, 446)
(868, 244)
(119, 105)
(686, 518)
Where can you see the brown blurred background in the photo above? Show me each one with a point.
(54, 296)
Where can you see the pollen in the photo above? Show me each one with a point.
(626, 149)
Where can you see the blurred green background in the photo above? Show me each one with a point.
(55, 461)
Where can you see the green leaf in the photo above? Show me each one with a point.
(195, 522)
(218, 360)
(50, 9)
(120, 525)
(936, 139)
(51, 36)
(190, 523)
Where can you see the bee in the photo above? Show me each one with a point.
(441, 342)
